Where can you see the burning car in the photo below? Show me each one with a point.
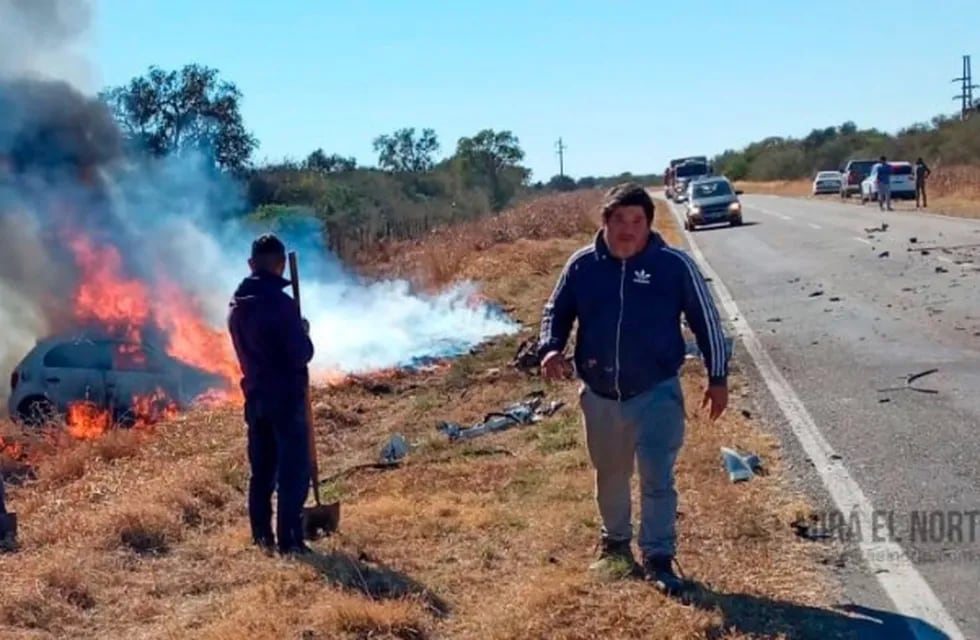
(95, 380)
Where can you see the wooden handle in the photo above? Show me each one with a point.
(310, 431)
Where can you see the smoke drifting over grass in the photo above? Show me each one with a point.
(173, 225)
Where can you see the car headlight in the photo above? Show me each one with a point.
(735, 206)
(695, 210)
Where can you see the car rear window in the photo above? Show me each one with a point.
(861, 167)
(902, 170)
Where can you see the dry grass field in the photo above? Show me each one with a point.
(143, 533)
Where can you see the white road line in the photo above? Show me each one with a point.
(785, 217)
(908, 590)
(864, 240)
(814, 226)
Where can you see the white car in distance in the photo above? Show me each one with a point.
(827, 182)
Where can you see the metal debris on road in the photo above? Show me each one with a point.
(524, 413)
(884, 254)
(883, 227)
(818, 292)
(910, 379)
(740, 467)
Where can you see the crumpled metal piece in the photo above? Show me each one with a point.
(740, 467)
(394, 451)
(523, 413)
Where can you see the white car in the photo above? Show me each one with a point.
(827, 182)
(902, 183)
(106, 372)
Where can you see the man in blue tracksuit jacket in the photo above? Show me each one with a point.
(273, 347)
(629, 290)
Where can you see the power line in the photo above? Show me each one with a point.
(560, 146)
(966, 89)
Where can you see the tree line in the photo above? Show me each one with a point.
(943, 141)
(408, 191)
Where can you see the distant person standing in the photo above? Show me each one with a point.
(883, 173)
(922, 171)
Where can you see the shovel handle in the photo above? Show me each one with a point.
(310, 432)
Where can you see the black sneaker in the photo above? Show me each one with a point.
(266, 545)
(615, 559)
(659, 571)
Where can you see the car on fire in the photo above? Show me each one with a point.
(107, 372)
(712, 201)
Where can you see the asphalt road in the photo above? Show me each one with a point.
(882, 312)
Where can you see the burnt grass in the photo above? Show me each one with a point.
(488, 538)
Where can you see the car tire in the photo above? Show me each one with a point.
(36, 412)
(736, 222)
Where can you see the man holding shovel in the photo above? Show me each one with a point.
(272, 342)
(628, 290)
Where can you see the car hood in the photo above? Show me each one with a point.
(714, 201)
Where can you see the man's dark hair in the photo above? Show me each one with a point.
(627, 194)
(268, 245)
(881, 159)
(268, 252)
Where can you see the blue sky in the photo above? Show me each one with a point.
(627, 85)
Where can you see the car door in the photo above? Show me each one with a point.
(138, 379)
(74, 371)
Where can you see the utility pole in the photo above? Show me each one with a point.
(966, 89)
(560, 146)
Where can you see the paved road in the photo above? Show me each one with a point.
(884, 312)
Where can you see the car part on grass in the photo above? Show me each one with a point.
(394, 451)
(909, 379)
(522, 413)
(740, 467)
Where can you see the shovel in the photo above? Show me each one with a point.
(320, 517)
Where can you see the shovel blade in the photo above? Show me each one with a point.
(321, 520)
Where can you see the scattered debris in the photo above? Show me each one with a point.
(808, 528)
(835, 298)
(775, 319)
(924, 252)
(740, 467)
(909, 379)
(941, 269)
(794, 280)
(884, 254)
(913, 239)
(818, 292)
(394, 451)
(518, 414)
(883, 227)
(746, 414)
(526, 357)
(884, 400)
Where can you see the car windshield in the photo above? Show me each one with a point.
(712, 189)
(692, 169)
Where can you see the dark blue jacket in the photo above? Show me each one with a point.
(267, 331)
(629, 317)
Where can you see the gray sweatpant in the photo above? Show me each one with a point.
(647, 429)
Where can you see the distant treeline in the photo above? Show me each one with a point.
(944, 141)
(410, 189)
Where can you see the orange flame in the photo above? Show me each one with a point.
(124, 307)
(88, 421)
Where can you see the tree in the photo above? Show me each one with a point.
(334, 163)
(491, 157)
(562, 183)
(166, 112)
(403, 152)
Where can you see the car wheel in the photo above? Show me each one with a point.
(36, 412)
(736, 222)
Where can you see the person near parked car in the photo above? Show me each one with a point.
(628, 291)
(922, 171)
(883, 183)
(273, 346)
